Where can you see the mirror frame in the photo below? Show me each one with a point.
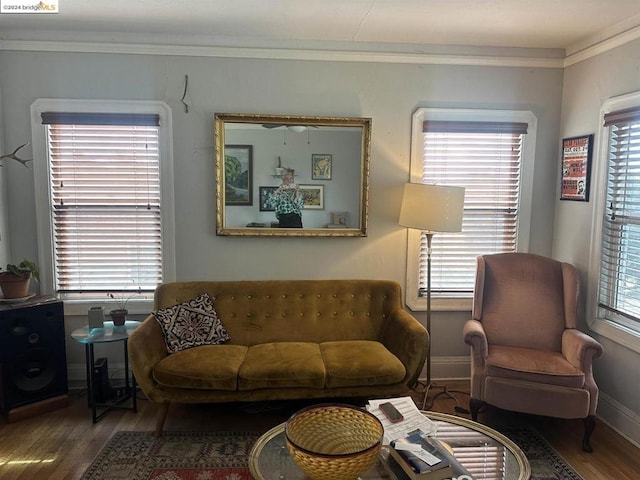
(222, 119)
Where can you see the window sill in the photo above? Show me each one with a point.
(419, 304)
(80, 307)
(617, 333)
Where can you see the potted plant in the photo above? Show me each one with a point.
(119, 314)
(15, 281)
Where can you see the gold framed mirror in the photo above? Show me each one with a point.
(285, 175)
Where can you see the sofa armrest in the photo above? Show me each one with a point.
(580, 349)
(146, 348)
(406, 338)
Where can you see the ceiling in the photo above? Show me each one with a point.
(400, 25)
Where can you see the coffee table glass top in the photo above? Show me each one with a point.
(485, 453)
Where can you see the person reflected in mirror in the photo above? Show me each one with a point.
(287, 201)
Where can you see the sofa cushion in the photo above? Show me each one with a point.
(207, 367)
(191, 324)
(282, 365)
(356, 363)
(532, 365)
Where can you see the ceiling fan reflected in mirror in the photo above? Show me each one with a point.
(291, 128)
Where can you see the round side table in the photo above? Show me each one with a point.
(108, 334)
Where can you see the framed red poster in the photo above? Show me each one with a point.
(576, 165)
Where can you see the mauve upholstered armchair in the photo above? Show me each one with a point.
(527, 354)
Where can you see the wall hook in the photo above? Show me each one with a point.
(184, 94)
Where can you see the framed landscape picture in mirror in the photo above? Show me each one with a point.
(238, 167)
(313, 196)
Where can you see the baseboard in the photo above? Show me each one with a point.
(449, 368)
(624, 421)
(37, 408)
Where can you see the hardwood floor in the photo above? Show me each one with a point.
(63, 443)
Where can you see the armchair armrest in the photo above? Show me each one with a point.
(474, 335)
(580, 349)
(146, 348)
(406, 338)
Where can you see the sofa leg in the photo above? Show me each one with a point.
(589, 427)
(161, 416)
(475, 405)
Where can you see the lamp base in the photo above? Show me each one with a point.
(445, 392)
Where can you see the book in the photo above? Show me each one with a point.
(413, 419)
(393, 469)
(421, 457)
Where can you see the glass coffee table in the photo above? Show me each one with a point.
(485, 453)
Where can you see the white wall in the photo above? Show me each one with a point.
(388, 93)
(586, 87)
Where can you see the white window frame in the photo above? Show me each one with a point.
(617, 332)
(44, 219)
(412, 298)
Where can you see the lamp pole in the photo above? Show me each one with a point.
(428, 385)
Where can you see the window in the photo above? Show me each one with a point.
(619, 292)
(484, 152)
(105, 198)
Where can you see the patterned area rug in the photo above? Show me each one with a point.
(175, 456)
(546, 463)
(223, 456)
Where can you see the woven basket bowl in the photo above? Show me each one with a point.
(333, 441)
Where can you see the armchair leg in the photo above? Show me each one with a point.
(589, 427)
(161, 416)
(475, 405)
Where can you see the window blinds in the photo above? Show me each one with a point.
(620, 263)
(105, 189)
(485, 158)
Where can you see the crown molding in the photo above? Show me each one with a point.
(282, 54)
(575, 53)
(602, 46)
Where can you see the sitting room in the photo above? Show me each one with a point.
(340, 178)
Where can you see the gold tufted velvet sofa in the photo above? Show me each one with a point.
(290, 339)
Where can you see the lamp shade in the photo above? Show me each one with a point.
(432, 208)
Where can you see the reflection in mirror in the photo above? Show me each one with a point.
(291, 175)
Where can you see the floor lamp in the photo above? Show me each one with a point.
(431, 209)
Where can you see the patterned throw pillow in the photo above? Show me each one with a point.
(191, 324)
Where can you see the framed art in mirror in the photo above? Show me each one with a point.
(313, 196)
(320, 166)
(238, 161)
(265, 197)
